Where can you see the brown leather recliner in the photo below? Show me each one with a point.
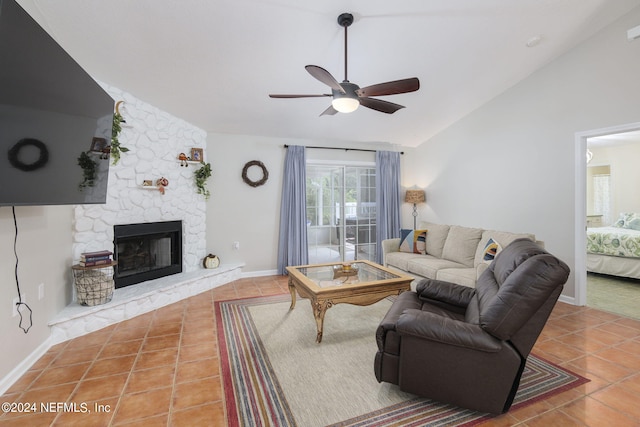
(468, 346)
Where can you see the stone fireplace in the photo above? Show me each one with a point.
(146, 251)
(154, 139)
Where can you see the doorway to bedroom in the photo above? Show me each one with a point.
(612, 263)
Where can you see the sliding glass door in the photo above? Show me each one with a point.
(341, 212)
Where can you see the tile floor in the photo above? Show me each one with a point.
(161, 369)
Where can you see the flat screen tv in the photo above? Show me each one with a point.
(55, 120)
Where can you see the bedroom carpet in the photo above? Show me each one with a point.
(617, 295)
(274, 373)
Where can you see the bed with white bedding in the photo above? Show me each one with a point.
(615, 250)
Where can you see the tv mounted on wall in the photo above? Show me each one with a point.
(55, 120)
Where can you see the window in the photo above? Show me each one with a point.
(599, 192)
(341, 212)
(601, 197)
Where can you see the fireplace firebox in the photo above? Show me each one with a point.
(147, 251)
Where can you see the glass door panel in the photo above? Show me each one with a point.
(340, 213)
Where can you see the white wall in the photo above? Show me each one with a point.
(44, 253)
(510, 165)
(251, 215)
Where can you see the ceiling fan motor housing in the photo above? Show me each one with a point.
(348, 101)
(349, 89)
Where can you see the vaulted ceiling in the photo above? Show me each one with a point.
(214, 62)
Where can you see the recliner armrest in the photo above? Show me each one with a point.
(446, 292)
(429, 326)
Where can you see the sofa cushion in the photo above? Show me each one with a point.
(428, 266)
(462, 276)
(436, 237)
(401, 259)
(413, 241)
(461, 245)
(503, 238)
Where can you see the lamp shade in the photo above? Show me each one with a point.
(415, 196)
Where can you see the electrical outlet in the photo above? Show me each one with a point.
(236, 245)
(40, 291)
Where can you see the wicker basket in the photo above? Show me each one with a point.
(94, 285)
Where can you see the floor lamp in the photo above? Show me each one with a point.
(415, 197)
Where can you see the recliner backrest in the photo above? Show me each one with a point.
(515, 286)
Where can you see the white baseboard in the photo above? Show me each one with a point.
(568, 300)
(259, 273)
(24, 366)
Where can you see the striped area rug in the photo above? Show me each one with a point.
(275, 374)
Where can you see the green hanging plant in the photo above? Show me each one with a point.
(116, 148)
(89, 167)
(201, 176)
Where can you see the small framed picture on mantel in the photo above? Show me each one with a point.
(98, 145)
(197, 154)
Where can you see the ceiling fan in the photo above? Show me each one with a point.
(348, 96)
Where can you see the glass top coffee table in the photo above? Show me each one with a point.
(358, 283)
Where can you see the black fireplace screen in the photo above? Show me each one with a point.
(147, 251)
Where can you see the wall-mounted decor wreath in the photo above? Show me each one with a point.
(14, 154)
(265, 173)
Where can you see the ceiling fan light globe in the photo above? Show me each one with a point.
(345, 104)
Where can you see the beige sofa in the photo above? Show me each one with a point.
(453, 253)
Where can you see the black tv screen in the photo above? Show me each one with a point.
(55, 120)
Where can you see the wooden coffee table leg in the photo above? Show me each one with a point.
(292, 289)
(319, 309)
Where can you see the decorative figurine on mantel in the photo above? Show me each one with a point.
(161, 183)
(211, 261)
(184, 160)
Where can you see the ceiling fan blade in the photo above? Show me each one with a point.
(380, 105)
(298, 96)
(324, 76)
(390, 88)
(329, 111)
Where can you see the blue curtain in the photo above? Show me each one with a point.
(387, 198)
(292, 244)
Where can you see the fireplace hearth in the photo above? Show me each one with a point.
(147, 251)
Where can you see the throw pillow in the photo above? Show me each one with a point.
(413, 241)
(624, 219)
(490, 252)
(633, 224)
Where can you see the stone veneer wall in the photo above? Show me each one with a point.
(155, 138)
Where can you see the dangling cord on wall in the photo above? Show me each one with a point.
(20, 303)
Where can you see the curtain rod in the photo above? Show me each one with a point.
(345, 149)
